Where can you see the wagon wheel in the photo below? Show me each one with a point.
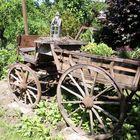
(24, 83)
(90, 101)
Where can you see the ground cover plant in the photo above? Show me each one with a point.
(43, 125)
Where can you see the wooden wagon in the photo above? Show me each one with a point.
(92, 91)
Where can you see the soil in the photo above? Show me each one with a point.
(6, 100)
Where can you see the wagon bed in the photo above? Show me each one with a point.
(125, 72)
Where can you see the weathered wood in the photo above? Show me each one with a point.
(137, 78)
(29, 49)
(30, 59)
(59, 41)
(26, 46)
(27, 41)
(101, 58)
(124, 72)
(55, 57)
(65, 53)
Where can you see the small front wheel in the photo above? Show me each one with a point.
(24, 83)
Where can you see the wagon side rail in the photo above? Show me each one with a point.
(125, 72)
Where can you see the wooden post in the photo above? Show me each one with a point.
(24, 17)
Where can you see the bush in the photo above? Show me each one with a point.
(123, 24)
(100, 49)
(8, 56)
(42, 123)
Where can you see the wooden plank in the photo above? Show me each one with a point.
(111, 68)
(59, 41)
(27, 41)
(116, 66)
(123, 78)
(101, 58)
(137, 78)
(55, 57)
(29, 59)
(29, 49)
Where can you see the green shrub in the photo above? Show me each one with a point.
(135, 53)
(100, 49)
(42, 123)
(130, 54)
(87, 36)
(8, 56)
(49, 111)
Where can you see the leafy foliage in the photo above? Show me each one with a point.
(130, 129)
(123, 23)
(48, 109)
(7, 57)
(40, 126)
(100, 49)
(135, 53)
(70, 24)
(84, 10)
(87, 36)
(126, 52)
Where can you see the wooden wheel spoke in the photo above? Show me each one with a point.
(106, 113)
(25, 98)
(84, 82)
(14, 77)
(30, 81)
(71, 102)
(14, 89)
(99, 119)
(77, 85)
(22, 73)
(29, 87)
(18, 74)
(27, 76)
(91, 121)
(72, 92)
(102, 92)
(74, 111)
(93, 84)
(82, 118)
(80, 123)
(29, 97)
(14, 83)
(107, 102)
(31, 93)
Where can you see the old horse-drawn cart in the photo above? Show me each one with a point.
(92, 91)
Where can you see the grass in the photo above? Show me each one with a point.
(8, 132)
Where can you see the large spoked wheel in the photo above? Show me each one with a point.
(25, 85)
(90, 101)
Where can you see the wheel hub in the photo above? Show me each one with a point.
(87, 102)
(23, 86)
